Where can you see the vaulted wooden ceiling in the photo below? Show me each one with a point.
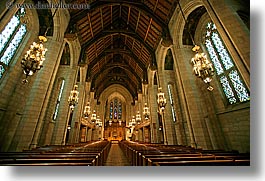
(119, 39)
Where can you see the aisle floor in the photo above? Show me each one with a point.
(116, 157)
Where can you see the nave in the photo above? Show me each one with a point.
(120, 80)
(123, 153)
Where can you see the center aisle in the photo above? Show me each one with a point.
(116, 157)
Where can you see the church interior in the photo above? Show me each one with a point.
(125, 83)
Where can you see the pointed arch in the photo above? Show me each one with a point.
(169, 61)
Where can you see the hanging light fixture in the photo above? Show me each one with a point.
(73, 98)
(87, 110)
(138, 117)
(33, 59)
(133, 121)
(98, 122)
(146, 112)
(202, 67)
(130, 124)
(94, 117)
(161, 100)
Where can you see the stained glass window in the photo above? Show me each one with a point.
(111, 110)
(115, 109)
(119, 111)
(58, 100)
(10, 39)
(231, 82)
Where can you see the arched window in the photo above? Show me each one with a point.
(169, 62)
(227, 73)
(111, 110)
(65, 59)
(10, 39)
(119, 110)
(155, 79)
(115, 109)
(169, 86)
(58, 99)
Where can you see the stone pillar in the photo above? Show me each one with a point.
(89, 134)
(154, 124)
(140, 132)
(28, 131)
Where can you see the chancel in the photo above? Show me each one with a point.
(125, 83)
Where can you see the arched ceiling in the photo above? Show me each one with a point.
(119, 39)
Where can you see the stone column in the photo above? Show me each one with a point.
(29, 129)
(140, 132)
(154, 124)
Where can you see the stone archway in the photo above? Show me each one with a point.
(116, 127)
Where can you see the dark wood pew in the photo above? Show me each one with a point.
(197, 163)
(141, 154)
(49, 164)
(92, 154)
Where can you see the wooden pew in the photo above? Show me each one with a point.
(92, 154)
(141, 154)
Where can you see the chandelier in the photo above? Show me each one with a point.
(138, 117)
(133, 121)
(161, 100)
(98, 122)
(94, 117)
(130, 123)
(87, 110)
(33, 59)
(146, 112)
(202, 67)
(73, 98)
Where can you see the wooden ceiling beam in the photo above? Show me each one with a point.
(128, 18)
(90, 25)
(147, 31)
(138, 5)
(133, 35)
(105, 69)
(138, 19)
(101, 16)
(155, 5)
